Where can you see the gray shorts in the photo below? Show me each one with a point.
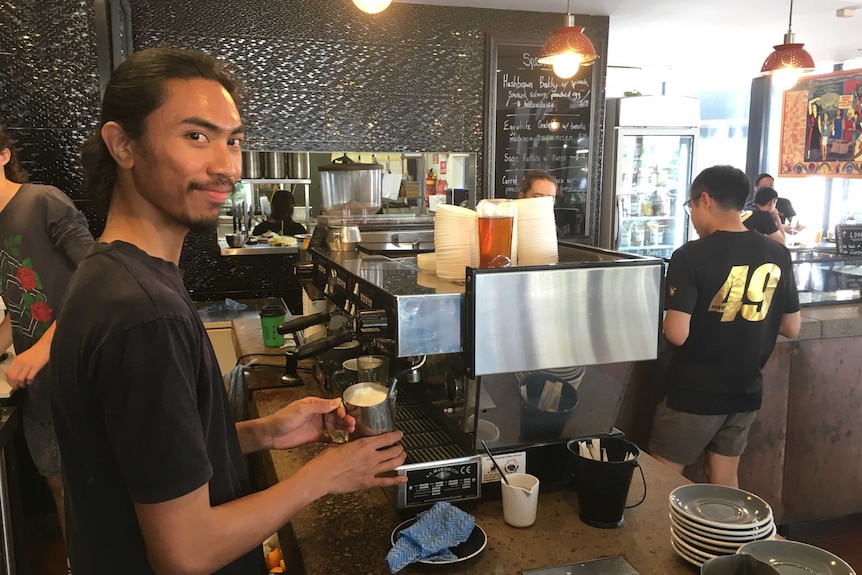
(39, 430)
(681, 437)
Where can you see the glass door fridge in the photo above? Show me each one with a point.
(649, 153)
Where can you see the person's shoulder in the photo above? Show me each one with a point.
(48, 193)
(51, 200)
(120, 278)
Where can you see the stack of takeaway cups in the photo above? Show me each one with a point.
(536, 231)
(708, 521)
(456, 241)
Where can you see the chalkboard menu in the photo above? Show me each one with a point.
(537, 121)
(848, 239)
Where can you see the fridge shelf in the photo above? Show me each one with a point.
(648, 218)
(649, 247)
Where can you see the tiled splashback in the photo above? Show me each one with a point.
(320, 74)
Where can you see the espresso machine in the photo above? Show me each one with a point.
(522, 358)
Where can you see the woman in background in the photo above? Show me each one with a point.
(280, 219)
(43, 237)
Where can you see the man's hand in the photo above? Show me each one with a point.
(305, 420)
(358, 464)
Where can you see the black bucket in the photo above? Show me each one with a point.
(539, 424)
(603, 486)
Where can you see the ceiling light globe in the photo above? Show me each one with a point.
(372, 6)
(566, 65)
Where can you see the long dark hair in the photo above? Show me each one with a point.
(136, 90)
(282, 205)
(14, 171)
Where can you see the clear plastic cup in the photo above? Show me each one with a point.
(496, 220)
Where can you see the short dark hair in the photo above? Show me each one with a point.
(764, 195)
(532, 176)
(282, 205)
(727, 185)
(762, 176)
(136, 89)
(13, 169)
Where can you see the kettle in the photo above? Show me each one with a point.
(351, 188)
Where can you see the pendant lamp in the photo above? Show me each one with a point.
(568, 48)
(788, 61)
(372, 6)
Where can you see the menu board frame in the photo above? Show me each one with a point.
(497, 73)
(848, 239)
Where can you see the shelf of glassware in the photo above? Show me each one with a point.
(640, 231)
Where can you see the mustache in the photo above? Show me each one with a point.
(218, 183)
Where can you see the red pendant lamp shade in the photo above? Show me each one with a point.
(789, 55)
(567, 49)
(569, 38)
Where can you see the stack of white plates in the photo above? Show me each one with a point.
(535, 232)
(711, 520)
(456, 241)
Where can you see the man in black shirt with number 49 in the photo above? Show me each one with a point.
(729, 294)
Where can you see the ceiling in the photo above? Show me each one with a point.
(722, 38)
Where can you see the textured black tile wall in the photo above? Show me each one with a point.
(49, 96)
(321, 76)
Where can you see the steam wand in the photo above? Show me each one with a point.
(412, 369)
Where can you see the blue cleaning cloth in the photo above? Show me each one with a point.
(435, 531)
(228, 305)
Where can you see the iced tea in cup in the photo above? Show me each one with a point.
(496, 218)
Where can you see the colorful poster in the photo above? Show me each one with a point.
(821, 131)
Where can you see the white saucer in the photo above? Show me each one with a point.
(791, 557)
(720, 506)
(724, 534)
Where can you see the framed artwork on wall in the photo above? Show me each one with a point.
(821, 128)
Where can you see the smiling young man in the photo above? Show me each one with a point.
(729, 294)
(152, 460)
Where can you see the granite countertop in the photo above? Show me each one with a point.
(259, 249)
(350, 533)
(216, 314)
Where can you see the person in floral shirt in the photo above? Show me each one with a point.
(42, 239)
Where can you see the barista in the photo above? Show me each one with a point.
(280, 220)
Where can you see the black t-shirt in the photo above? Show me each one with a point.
(736, 286)
(760, 221)
(139, 406)
(290, 228)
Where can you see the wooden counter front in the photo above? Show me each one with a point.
(350, 533)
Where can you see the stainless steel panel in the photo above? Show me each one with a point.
(538, 319)
(429, 324)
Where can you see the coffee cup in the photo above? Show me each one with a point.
(271, 316)
(372, 368)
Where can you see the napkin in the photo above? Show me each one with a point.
(435, 531)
